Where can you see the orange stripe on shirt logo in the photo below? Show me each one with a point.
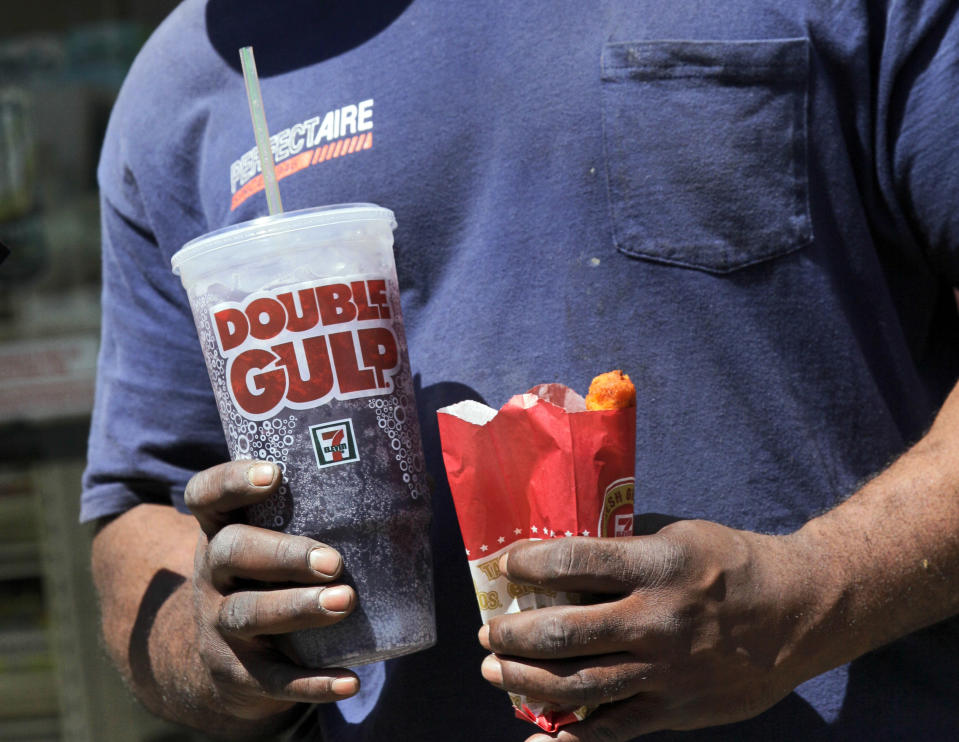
(255, 185)
(293, 165)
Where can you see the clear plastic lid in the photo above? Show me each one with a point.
(271, 226)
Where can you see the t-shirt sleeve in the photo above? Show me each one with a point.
(154, 420)
(920, 80)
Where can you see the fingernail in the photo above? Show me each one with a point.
(492, 670)
(502, 562)
(261, 475)
(325, 561)
(345, 686)
(484, 636)
(336, 599)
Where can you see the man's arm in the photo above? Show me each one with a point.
(710, 625)
(891, 551)
(185, 620)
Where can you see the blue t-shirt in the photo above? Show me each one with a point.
(747, 206)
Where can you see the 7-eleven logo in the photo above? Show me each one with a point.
(334, 443)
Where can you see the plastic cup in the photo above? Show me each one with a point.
(298, 316)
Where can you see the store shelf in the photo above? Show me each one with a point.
(28, 693)
(19, 561)
(43, 729)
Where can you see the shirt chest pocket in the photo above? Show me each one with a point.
(706, 150)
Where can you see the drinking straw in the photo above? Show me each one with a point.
(260, 131)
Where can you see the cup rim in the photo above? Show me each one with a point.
(289, 221)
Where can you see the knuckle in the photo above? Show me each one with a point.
(542, 561)
(566, 558)
(239, 613)
(589, 686)
(196, 493)
(497, 635)
(300, 602)
(293, 551)
(682, 534)
(275, 679)
(610, 686)
(209, 485)
(664, 560)
(554, 634)
(580, 687)
(225, 544)
(502, 637)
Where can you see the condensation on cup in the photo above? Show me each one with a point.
(299, 321)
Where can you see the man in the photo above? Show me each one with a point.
(749, 211)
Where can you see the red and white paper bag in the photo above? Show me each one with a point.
(541, 467)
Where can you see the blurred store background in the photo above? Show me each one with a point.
(61, 65)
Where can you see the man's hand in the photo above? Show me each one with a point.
(237, 573)
(696, 628)
(189, 605)
(705, 625)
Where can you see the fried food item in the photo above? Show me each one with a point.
(611, 391)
